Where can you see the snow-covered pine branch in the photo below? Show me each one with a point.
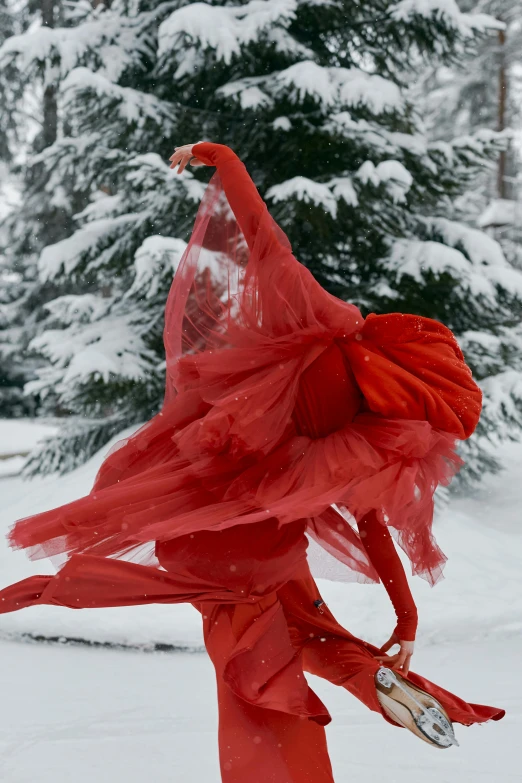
(316, 98)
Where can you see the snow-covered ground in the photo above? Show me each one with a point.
(74, 713)
(17, 438)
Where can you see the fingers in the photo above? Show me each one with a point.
(386, 658)
(403, 661)
(182, 156)
(406, 652)
(391, 641)
(400, 661)
(180, 159)
(183, 164)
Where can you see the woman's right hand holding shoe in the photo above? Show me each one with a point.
(399, 661)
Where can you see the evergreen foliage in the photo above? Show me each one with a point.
(33, 212)
(486, 92)
(314, 97)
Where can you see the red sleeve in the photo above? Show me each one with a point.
(302, 301)
(381, 550)
(242, 194)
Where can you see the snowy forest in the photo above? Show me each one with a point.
(383, 136)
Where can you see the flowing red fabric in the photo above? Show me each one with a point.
(287, 419)
(263, 630)
(281, 400)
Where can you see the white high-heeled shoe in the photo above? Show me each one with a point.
(414, 709)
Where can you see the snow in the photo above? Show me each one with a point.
(9, 194)
(329, 87)
(501, 212)
(151, 171)
(225, 29)
(323, 195)
(392, 173)
(155, 255)
(342, 188)
(304, 189)
(389, 142)
(503, 392)
(134, 106)
(413, 257)
(488, 351)
(308, 78)
(63, 256)
(19, 436)
(110, 344)
(476, 270)
(248, 92)
(282, 123)
(476, 142)
(77, 308)
(17, 439)
(130, 626)
(11, 466)
(376, 93)
(83, 715)
(489, 267)
(110, 42)
(447, 11)
(479, 247)
(340, 86)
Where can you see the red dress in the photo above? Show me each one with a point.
(282, 405)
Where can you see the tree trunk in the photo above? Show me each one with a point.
(50, 106)
(501, 116)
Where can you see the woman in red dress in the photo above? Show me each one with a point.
(287, 417)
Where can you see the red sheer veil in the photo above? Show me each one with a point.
(268, 311)
(243, 321)
(222, 296)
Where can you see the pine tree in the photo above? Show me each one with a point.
(485, 92)
(313, 96)
(14, 371)
(34, 214)
(6, 30)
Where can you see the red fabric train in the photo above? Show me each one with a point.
(285, 412)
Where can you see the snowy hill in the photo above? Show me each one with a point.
(480, 597)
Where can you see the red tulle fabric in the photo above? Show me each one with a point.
(285, 414)
(281, 401)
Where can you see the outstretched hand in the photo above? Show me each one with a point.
(182, 156)
(401, 660)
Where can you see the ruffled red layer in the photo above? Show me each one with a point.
(238, 440)
(388, 464)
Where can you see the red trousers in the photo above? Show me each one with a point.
(257, 744)
(262, 630)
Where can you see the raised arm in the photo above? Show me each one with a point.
(243, 197)
(292, 297)
(381, 550)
